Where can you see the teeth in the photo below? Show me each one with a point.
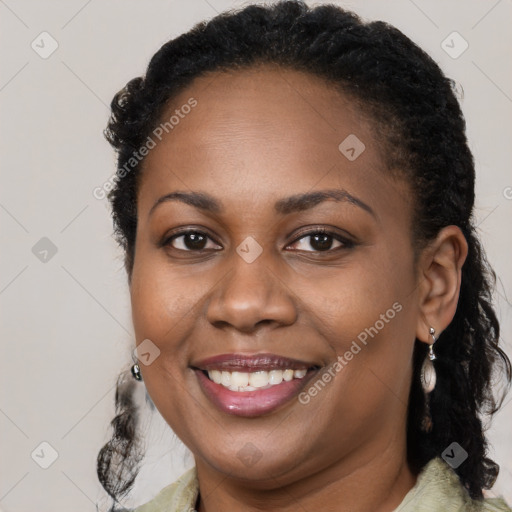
(258, 379)
(216, 376)
(288, 375)
(275, 377)
(244, 381)
(239, 379)
(225, 379)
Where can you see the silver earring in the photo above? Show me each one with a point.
(428, 382)
(428, 372)
(137, 375)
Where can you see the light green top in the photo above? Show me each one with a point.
(437, 489)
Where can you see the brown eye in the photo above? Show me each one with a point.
(189, 241)
(321, 241)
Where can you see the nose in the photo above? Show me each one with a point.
(250, 296)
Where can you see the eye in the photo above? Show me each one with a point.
(322, 240)
(189, 241)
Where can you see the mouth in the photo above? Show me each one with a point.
(252, 385)
(243, 381)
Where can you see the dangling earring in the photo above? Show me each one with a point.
(137, 375)
(428, 381)
(428, 372)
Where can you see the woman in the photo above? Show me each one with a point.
(311, 304)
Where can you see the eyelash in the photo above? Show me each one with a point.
(346, 243)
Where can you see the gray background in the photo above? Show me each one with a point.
(65, 321)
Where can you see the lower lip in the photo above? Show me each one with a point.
(251, 403)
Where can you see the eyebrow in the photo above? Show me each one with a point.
(287, 205)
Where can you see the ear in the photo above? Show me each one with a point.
(440, 269)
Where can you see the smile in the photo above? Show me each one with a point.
(252, 385)
(243, 381)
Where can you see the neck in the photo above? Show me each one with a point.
(379, 484)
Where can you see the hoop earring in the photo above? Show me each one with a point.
(428, 381)
(135, 369)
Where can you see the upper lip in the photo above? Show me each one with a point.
(251, 363)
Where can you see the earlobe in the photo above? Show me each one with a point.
(440, 272)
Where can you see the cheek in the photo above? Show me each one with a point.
(164, 310)
(349, 301)
(367, 316)
(162, 301)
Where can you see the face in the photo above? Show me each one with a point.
(289, 278)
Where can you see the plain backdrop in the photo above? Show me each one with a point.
(65, 314)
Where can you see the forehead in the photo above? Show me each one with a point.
(263, 131)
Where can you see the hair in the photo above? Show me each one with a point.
(405, 94)
(118, 461)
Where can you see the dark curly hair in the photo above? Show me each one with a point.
(417, 120)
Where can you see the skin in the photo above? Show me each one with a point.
(257, 136)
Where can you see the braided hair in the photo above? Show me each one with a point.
(417, 119)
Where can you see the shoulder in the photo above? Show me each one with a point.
(177, 497)
(439, 489)
(495, 505)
